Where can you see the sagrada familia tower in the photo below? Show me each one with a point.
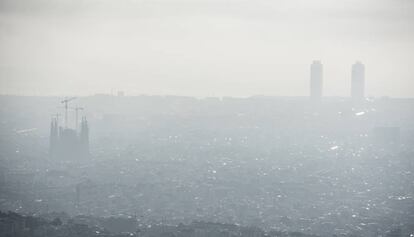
(69, 143)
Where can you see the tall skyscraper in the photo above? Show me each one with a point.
(358, 81)
(316, 80)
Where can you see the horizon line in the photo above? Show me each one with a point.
(200, 97)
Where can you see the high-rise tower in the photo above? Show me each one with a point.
(316, 80)
(358, 81)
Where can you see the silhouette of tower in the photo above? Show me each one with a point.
(54, 137)
(84, 137)
(358, 81)
(316, 80)
(68, 143)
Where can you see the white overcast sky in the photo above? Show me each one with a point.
(204, 47)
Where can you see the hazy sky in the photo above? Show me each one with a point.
(204, 47)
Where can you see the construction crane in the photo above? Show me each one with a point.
(66, 101)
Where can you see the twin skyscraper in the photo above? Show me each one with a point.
(357, 81)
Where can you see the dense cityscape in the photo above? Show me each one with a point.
(337, 166)
(206, 118)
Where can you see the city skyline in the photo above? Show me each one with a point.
(206, 118)
(316, 88)
(204, 47)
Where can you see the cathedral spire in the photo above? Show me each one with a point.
(84, 137)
